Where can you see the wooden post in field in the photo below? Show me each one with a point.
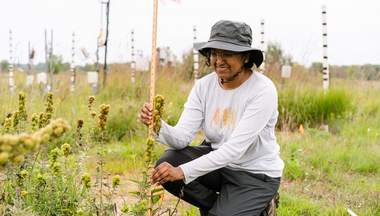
(72, 66)
(153, 65)
(262, 47)
(11, 80)
(196, 65)
(133, 64)
(326, 72)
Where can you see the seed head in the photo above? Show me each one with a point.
(66, 148)
(115, 181)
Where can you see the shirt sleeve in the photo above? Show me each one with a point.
(181, 135)
(255, 117)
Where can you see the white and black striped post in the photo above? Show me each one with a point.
(11, 80)
(133, 63)
(72, 66)
(195, 56)
(262, 47)
(51, 61)
(326, 72)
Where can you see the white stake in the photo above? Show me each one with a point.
(11, 81)
(196, 65)
(72, 66)
(133, 63)
(262, 47)
(326, 72)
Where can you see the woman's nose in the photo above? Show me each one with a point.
(220, 59)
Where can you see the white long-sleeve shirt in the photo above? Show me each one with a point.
(238, 123)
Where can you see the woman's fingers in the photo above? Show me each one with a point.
(146, 114)
(166, 172)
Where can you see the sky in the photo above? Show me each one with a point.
(296, 25)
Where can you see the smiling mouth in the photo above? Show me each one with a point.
(222, 68)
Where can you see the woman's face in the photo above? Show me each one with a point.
(226, 63)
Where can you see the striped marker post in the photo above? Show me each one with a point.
(11, 80)
(51, 63)
(326, 73)
(262, 47)
(196, 64)
(133, 63)
(72, 66)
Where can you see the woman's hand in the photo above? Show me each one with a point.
(146, 114)
(166, 172)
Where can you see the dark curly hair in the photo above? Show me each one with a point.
(249, 64)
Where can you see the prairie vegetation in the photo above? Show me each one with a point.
(92, 169)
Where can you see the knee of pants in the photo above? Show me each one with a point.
(173, 157)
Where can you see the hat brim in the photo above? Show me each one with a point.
(256, 54)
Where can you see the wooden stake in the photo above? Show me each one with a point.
(153, 66)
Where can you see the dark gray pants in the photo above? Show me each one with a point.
(224, 191)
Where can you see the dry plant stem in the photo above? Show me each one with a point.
(179, 199)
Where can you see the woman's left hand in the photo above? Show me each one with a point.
(166, 172)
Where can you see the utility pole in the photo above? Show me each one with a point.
(106, 45)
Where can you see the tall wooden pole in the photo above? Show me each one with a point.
(326, 72)
(195, 56)
(72, 66)
(51, 62)
(153, 65)
(11, 80)
(133, 64)
(262, 46)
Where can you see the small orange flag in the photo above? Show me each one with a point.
(301, 129)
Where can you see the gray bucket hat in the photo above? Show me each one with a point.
(232, 36)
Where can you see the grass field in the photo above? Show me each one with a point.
(325, 173)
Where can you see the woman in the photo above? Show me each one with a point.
(237, 169)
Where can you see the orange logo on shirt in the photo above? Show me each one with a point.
(223, 118)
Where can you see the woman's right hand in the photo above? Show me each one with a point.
(146, 114)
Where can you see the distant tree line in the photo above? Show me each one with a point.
(365, 72)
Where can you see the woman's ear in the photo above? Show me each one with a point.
(246, 58)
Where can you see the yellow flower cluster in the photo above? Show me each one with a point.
(21, 106)
(7, 125)
(49, 107)
(115, 181)
(104, 109)
(24, 174)
(12, 147)
(24, 193)
(53, 156)
(56, 169)
(91, 100)
(34, 122)
(66, 149)
(16, 120)
(149, 150)
(41, 120)
(159, 102)
(86, 180)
